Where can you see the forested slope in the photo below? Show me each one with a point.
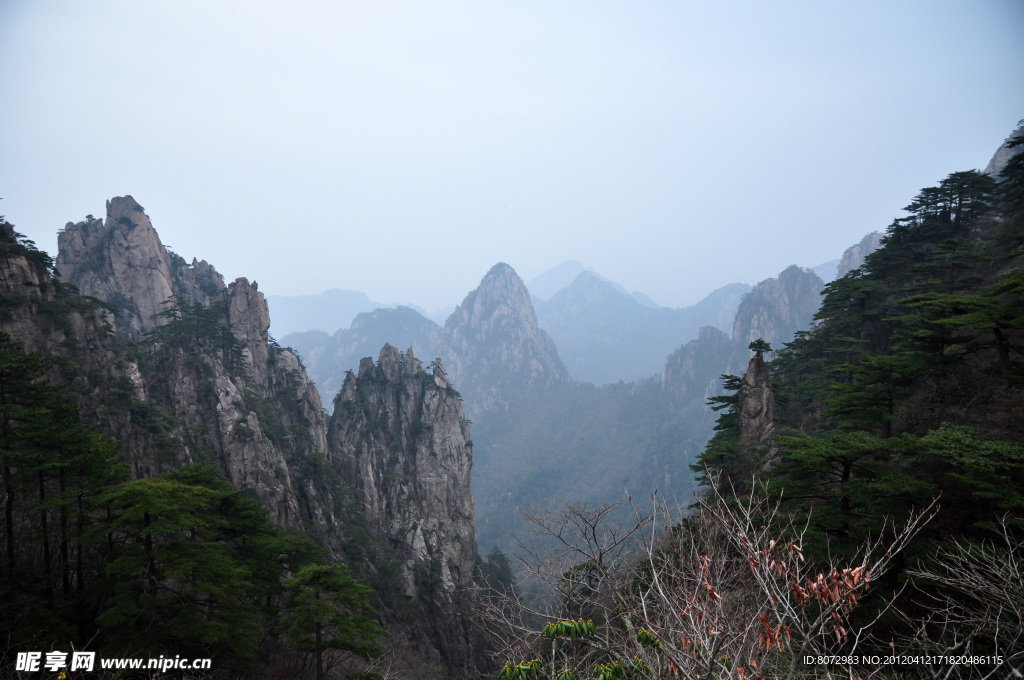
(908, 391)
(863, 505)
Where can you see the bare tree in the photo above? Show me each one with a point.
(974, 593)
(572, 571)
(721, 591)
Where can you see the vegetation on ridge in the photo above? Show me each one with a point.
(907, 395)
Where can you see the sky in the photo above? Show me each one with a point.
(403, 148)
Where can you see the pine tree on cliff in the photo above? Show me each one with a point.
(731, 453)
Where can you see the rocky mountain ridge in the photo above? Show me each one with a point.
(854, 256)
(778, 307)
(399, 435)
(1005, 152)
(601, 334)
(121, 260)
(493, 346)
(203, 381)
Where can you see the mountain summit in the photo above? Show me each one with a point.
(121, 260)
(493, 346)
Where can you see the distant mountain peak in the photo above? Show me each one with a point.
(502, 290)
(546, 285)
(854, 256)
(493, 346)
(500, 269)
(778, 307)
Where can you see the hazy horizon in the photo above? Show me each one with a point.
(401, 150)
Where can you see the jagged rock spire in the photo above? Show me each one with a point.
(756, 413)
(122, 261)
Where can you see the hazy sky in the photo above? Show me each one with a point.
(402, 148)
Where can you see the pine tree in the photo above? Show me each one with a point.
(329, 610)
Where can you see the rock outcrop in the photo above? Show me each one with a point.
(121, 260)
(399, 435)
(493, 347)
(777, 308)
(46, 317)
(328, 357)
(854, 256)
(212, 386)
(755, 413)
(1005, 152)
(196, 399)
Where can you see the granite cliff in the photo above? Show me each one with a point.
(197, 378)
(777, 308)
(854, 256)
(493, 347)
(755, 413)
(1005, 152)
(399, 435)
(212, 387)
(122, 261)
(328, 357)
(693, 370)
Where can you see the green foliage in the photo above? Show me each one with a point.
(646, 637)
(495, 574)
(568, 629)
(52, 469)
(180, 563)
(760, 346)
(909, 387)
(171, 581)
(13, 244)
(609, 671)
(525, 670)
(722, 453)
(328, 610)
(199, 330)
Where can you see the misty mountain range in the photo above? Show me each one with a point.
(604, 334)
(531, 372)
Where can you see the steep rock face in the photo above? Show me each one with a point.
(1005, 152)
(249, 320)
(854, 256)
(257, 416)
(47, 318)
(122, 261)
(693, 369)
(777, 308)
(399, 435)
(211, 386)
(493, 347)
(755, 412)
